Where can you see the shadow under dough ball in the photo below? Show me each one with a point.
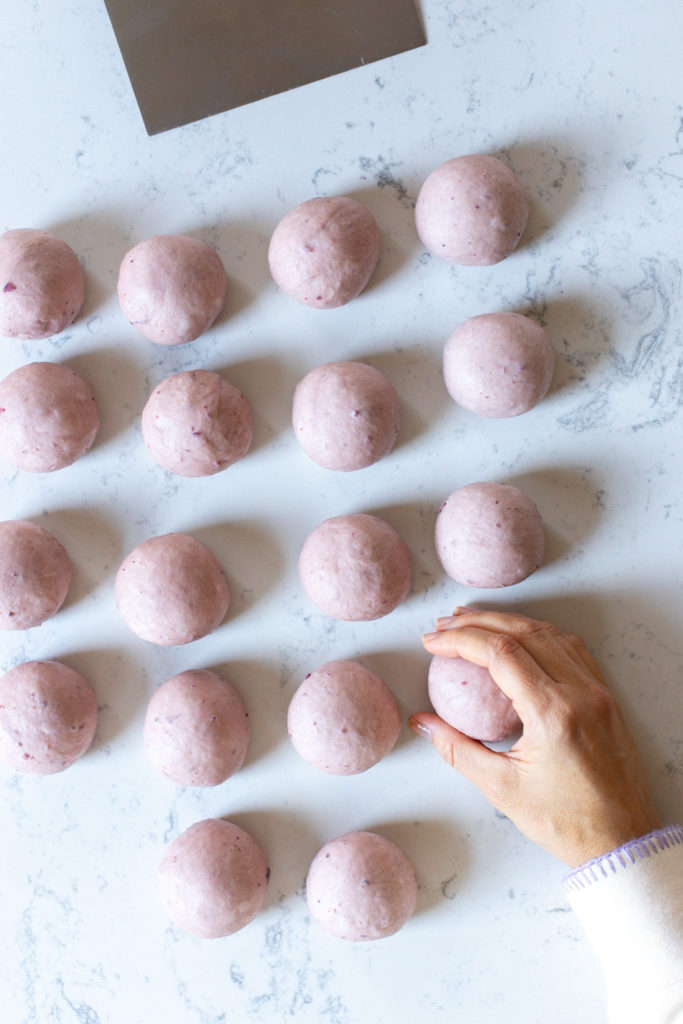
(41, 284)
(171, 590)
(35, 575)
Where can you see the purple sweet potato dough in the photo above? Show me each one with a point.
(467, 697)
(35, 574)
(41, 284)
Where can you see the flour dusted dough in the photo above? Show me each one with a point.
(467, 697)
(324, 251)
(196, 424)
(35, 574)
(355, 567)
(345, 415)
(48, 717)
(48, 417)
(343, 718)
(172, 288)
(196, 730)
(489, 535)
(41, 284)
(498, 364)
(361, 886)
(471, 210)
(171, 590)
(212, 879)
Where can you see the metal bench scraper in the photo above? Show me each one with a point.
(187, 59)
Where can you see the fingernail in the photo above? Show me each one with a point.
(429, 636)
(419, 727)
(444, 619)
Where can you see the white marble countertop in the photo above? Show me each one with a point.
(583, 101)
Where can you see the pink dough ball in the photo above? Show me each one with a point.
(355, 568)
(48, 417)
(171, 590)
(324, 251)
(171, 288)
(498, 364)
(212, 879)
(41, 284)
(343, 718)
(471, 210)
(196, 730)
(48, 717)
(361, 886)
(489, 535)
(346, 415)
(466, 696)
(196, 424)
(35, 574)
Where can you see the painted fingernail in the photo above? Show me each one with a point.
(419, 727)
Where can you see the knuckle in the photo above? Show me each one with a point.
(502, 644)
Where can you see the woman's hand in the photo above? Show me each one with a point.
(574, 782)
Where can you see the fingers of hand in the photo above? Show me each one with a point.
(475, 761)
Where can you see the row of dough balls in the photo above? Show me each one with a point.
(346, 415)
(471, 210)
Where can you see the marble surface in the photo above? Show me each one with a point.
(583, 102)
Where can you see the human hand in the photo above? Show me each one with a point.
(574, 782)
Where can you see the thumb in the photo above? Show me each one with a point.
(471, 758)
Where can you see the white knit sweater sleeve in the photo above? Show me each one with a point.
(630, 903)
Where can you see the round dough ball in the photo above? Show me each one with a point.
(196, 730)
(343, 718)
(48, 417)
(466, 696)
(41, 284)
(197, 424)
(471, 210)
(498, 364)
(172, 288)
(324, 251)
(361, 886)
(212, 879)
(171, 590)
(35, 574)
(346, 415)
(489, 535)
(48, 717)
(355, 568)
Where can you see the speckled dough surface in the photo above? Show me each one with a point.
(195, 423)
(355, 567)
(489, 535)
(467, 697)
(471, 210)
(41, 284)
(324, 251)
(361, 886)
(346, 416)
(212, 880)
(171, 590)
(498, 364)
(48, 717)
(196, 730)
(48, 417)
(343, 718)
(171, 288)
(35, 574)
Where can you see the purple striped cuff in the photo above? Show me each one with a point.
(630, 853)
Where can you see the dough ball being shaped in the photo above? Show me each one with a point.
(343, 718)
(48, 417)
(41, 284)
(196, 424)
(35, 574)
(361, 886)
(498, 364)
(196, 730)
(466, 696)
(346, 416)
(48, 717)
(355, 568)
(324, 251)
(172, 288)
(171, 590)
(471, 210)
(212, 879)
(489, 535)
